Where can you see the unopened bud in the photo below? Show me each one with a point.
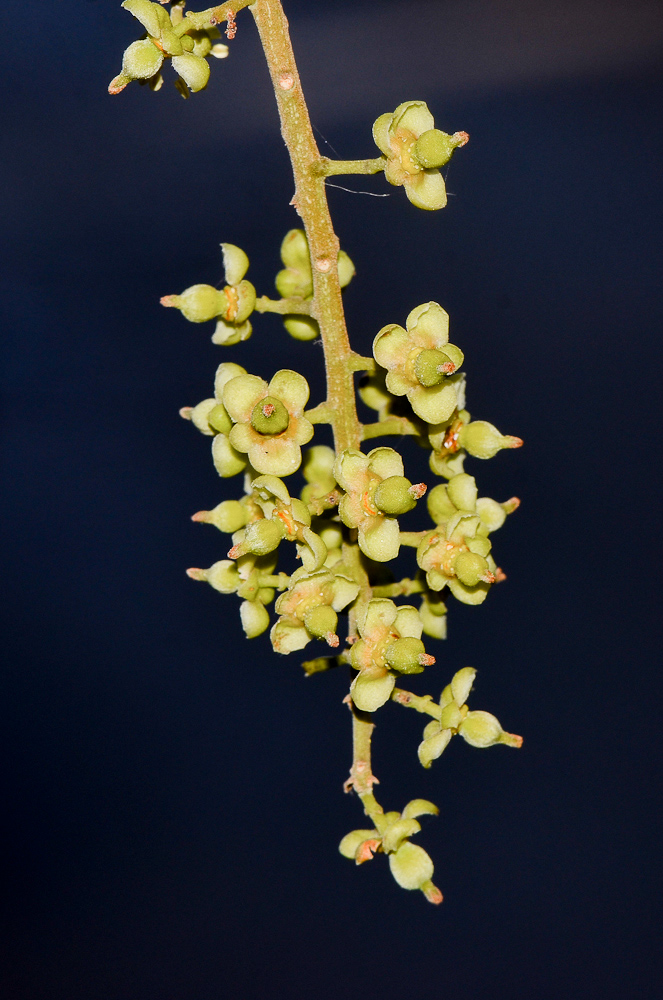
(481, 729)
(228, 516)
(302, 327)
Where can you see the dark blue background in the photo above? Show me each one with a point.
(172, 793)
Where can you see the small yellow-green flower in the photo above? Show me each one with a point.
(230, 307)
(421, 363)
(143, 59)
(452, 439)
(375, 487)
(390, 644)
(410, 865)
(456, 553)
(269, 422)
(309, 609)
(415, 149)
(479, 729)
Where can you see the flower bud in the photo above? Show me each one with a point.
(462, 491)
(193, 70)
(394, 496)
(434, 148)
(255, 618)
(199, 303)
(141, 60)
(262, 537)
(411, 866)
(321, 621)
(292, 284)
(483, 440)
(470, 568)
(407, 656)
(302, 327)
(294, 250)
(269, 416)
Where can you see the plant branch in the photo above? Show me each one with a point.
(420, 703)
(286, 307)
(328, 168)
(391, 425)
(310, 201)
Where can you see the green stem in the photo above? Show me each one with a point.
(310, 201)
(357, 363)
(281, 581)
(391, 425)
(208, 18)
(328, 168)
(320, 414)
(412, 538)
(285, 307)
(420, 703)
(404, 587)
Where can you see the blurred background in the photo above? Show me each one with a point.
(173, 793)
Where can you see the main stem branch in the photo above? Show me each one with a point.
(310, 201)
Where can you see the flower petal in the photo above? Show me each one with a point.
(227, 461)
(385, 462)
(242, 437)
(279, 456)
(235, 263)
(224, 373)
(291, 388)
(408, 623)
(411, 866)
(427, 190)
(414, 116)
(241, 394)
(287, 636)
(429, 325)
(398, 384)
(381, 133)
(370, 693)
(433, 404)
(300, 430)
(350, 470)
(379, 539)
(377, 616)
(391, 346)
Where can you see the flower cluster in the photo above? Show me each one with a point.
(187, 50)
